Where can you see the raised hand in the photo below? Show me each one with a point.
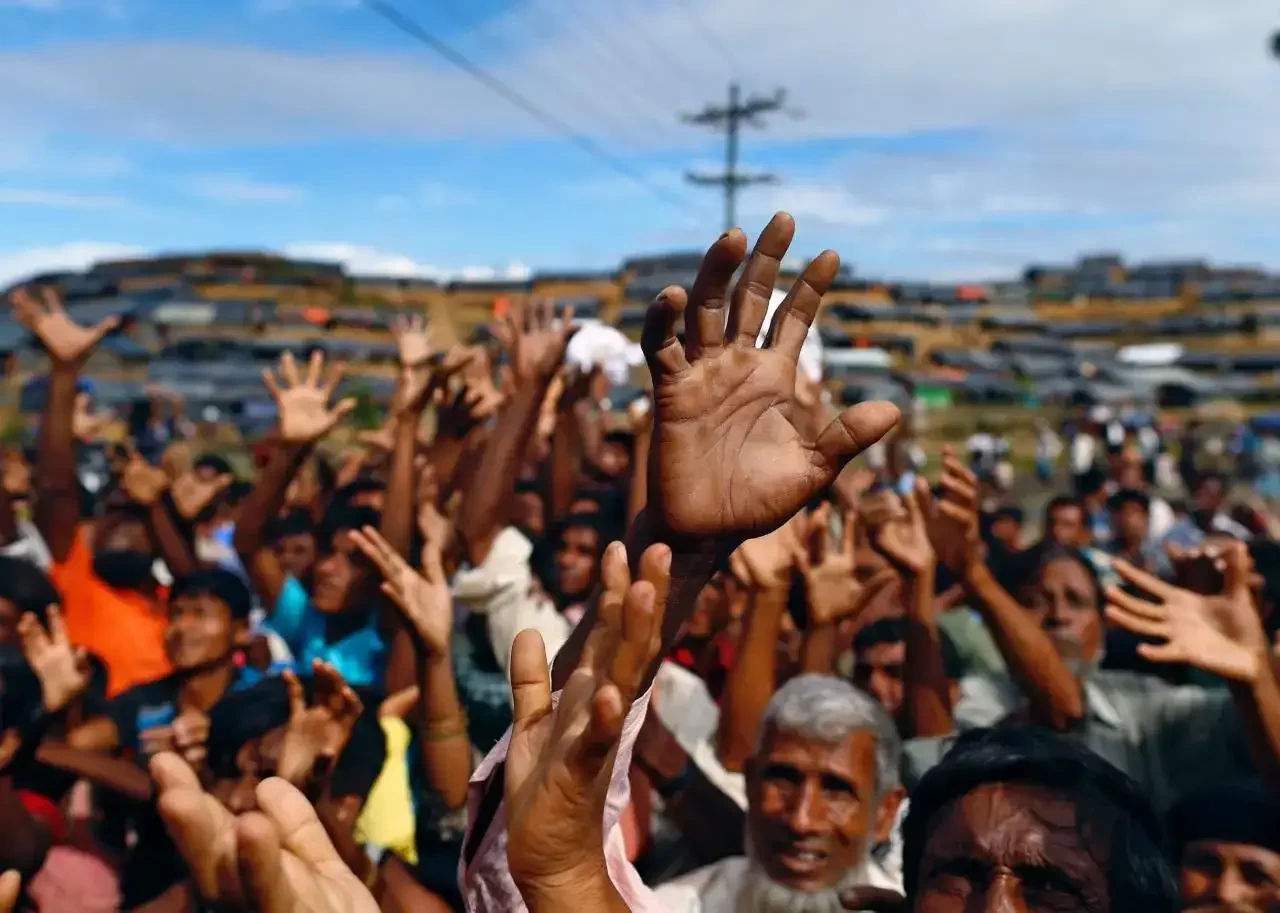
(320, 731)
(766, 562)
(424, 599)
(534, 341)
(142, 482)
(953, 523)
(832, 590)
(1219, 635)
(560, 760)
(303, 404)
(66, 341)
(276, 860)
(62, 669)
(413, 340)
(730, 460)
(192, 494)
(905, 540)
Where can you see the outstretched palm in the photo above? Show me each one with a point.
(730, 457)
(305, 414)
(66, 341)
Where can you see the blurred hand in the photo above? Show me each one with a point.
(730, 461)
(832, 590)
(276, 860)
(766, 563)
(66, 341)
(319, 731)
(303, 404)
(533, 340)
(143, 483)
(905, 540)
(62, 669)
(190, 732)
(16, 478)
(953, 523)
(192, 494)
(425, 599)
(560, 761)
(10, 885)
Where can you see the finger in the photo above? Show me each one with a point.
(222, 483)
(631, 659)
(953, 465)
(800, 558)
(875, 586)
(105, 326)
(655, 569)
(52, 300)
(1142, 580)
(433, 562)
(1136, 624)
(398, 705)
(708, 299)
(343, 409)
(955, 512)
(269, 380)
(851, 432)
(260, 858)
(1132, 604)
(608, 714)
(615, 573)
(289, 369)
(751, 295)
(301, 832)
(1161, 653)
(530, 679)
(293, 687)
(792, 319)
(1236, 573)
(336, 373)
(10, 884)
(314, 368)
(819, 530)
(958, 490)
(914, 514)
(662, 349)
(200, 826)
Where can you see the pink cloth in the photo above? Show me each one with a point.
(75, 881)
(486, 883)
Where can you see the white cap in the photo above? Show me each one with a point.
(810, 354)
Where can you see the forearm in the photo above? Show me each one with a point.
(566, 457)
(753, 679)
(1028, 652)
(926, 689)
(397, 513)
(445, 746)
(266, 500)
(175, 549)
(58, 504)
(1258, 703)
(486, 499)
(820, 649)
(639, 494)
(120, 776)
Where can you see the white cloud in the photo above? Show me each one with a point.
(831, 205)
(57, 199)
(363, 260)
(76, 255)
(229, 188)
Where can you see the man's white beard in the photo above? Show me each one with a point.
(761, 894)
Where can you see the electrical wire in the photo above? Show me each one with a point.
(416, 31)
(710, 37)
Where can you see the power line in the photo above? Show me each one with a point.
(731, 118)
(708, 36)
(414, 30)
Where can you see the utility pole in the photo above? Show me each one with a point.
(730, 119)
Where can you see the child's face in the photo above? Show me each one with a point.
(201, 631)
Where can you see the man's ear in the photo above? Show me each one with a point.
(887, 813)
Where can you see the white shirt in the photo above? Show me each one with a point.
(717, 888)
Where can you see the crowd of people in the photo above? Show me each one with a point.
(700, 661)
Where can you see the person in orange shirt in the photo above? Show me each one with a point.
(112, 603)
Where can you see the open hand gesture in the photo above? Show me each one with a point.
(905, 540)
(62, 669)
(305, 414)
(424, 599)
(832, 589)
(413, 340)
(142, 482)
(766, 562)
(730, 461)
(192, 494)
(533, 340)
(276, 860)
(953, 523)
(66, 341)
(319, 731)
(1226, 639)
(560, 759)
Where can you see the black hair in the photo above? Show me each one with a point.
(296, 522)
(242, 716)
(342, 517)
(326, 477)
(237, 491)
(1022, 569)
(1210, 475)
(27, 587)
(894, 630)
(360, 486)
(620, 436)
(1010, 512)
(1129, 496)
(1090, 481)
(218, 583)
(1110, 807)
(1236, 812)
(216, 463)
(1060, 502)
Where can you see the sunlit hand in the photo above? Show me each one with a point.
(276, 860)
(729, 461)
(953, 522)
(62, 669)
(831, 587)
(303, 404)
(192, 494)
(535, 343)
(766, 562)
(143, 483)
(424, 599)
(85, 423)
(905, 540)
(560, 760)
(66, 341)
(320, 731)
(1226, 639)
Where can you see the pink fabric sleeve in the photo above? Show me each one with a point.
(486, 882)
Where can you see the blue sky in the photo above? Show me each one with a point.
(923, 138)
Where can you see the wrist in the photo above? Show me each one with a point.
(586, 887)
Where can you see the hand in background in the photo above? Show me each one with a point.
(62, 669)
(66, 341)
(303, 403)
(424, 599)
(319, 731)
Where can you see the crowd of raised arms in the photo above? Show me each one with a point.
(701, 663)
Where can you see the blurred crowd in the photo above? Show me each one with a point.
(728, 649)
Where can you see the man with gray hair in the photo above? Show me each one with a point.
(822, 793)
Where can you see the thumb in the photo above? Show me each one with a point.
(10, 882)
(260, 857)
(876, 900)
(530, 679)
(1236, 574)
(854, 430)
(104, 327)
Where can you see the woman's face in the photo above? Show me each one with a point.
(1064, 601)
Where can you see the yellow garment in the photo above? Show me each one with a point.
(387, 819)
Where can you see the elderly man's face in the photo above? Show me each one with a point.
(814, 811)
(1230, 878)
(1014, 848)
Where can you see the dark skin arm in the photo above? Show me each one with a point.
(639, 492)
(175, 549)
(753, 679)
(256, 511)
(443, 741)
(116, 774)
